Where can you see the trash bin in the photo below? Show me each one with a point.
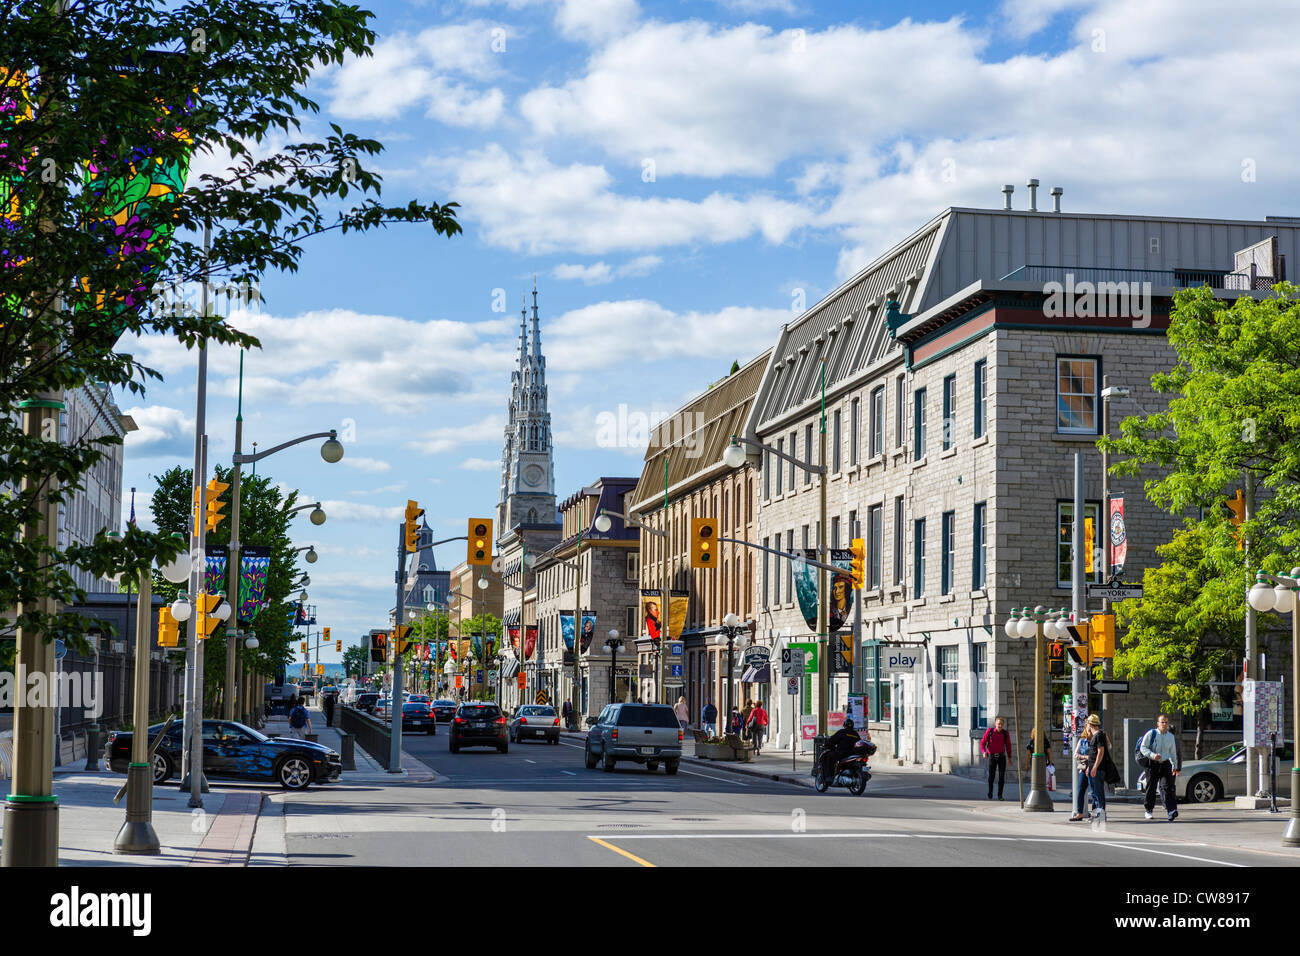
(312, 738)
(346, 753)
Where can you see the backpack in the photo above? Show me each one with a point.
(1143, 761)
(298, 719)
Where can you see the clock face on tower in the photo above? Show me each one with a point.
(533, 476)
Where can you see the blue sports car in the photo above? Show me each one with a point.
(232, 751)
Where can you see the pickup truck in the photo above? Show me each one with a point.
(649, 734)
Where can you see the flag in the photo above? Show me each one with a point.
(131, 521)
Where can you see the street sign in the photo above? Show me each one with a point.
(542, 697)
(1110, 687)
(1115, 592)
(673, 682)
(791, 662)
(756, 656)
(807, 726)
(676, 648)
(674, 670)
(792, 685)
(478, 676)
(901, 659)
(521, 679)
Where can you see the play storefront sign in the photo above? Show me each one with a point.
(901, 660)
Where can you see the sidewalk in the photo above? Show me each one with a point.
(368, 769)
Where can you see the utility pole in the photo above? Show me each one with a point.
(232, 578)
(1254, 755)
(577, 615)
(823, 597)
(666, 598)
(1079, 674)
(395, 702)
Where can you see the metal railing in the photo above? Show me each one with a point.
(1162, 278)
(373, 736)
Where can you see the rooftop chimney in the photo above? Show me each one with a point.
(1007, 190)
(1033, 195)
(1056, 198)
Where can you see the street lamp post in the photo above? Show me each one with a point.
(603, 524)
(1035, 624)
(730, 624)
(613, 642)
(1283, 599)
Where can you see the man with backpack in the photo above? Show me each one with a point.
(298, 720)
(1158, 754)
(709, 719)
(996, 746)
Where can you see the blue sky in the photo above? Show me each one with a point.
(680, 177)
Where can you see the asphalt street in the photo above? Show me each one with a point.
(538, 805)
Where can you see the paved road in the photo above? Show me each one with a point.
(538, 805)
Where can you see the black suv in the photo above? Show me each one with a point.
(478, 725)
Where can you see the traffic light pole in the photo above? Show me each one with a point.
(395, 701)
(137, 835)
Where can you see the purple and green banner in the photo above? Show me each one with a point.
(254, 566)
(214, 571)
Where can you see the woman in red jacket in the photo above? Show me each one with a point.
(758, 726)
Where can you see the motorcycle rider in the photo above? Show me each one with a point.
(839, 746)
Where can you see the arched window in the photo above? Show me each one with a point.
(532, 516)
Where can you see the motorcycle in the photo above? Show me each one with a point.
(852, 770)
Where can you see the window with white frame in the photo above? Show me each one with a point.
(918, 557)
(979, 547)
(875, 544)
(948, 674)
(981, 397)
(1065, 539)
(633, 565)
(981, 664)
(899, 532)
(877, 421)
(900, 426)
(807, 455)
(780, 447)
(1076, 395)
(949, 422)
(855, 427)
(947, 552)
(835, 439)
(918, 424)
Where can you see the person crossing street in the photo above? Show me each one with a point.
(996, 747)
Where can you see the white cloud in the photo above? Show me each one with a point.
(343, 510)
(531, 205)
(163, 432)
(480, 464)
(760, 6)
(599, 273)
(447, 437)
(595, 20)
(372, 465)
(385, 490)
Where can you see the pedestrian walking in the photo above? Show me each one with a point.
(744, 716)
(298, 720)
(683, 712)
(709, 718)
(734, 724)
(758, 721)
(996, 746)
(329, 700)
(1099, 767)
(1082, 752)
(567, 713)
(1163, 764)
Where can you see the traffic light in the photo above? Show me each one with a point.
(859, 563)
(304, 647)
(1237, 506)
(704, 537)
(327, 635)
(400, 641)
(411, 529)
(478, 549)
(215, 504)
(1080, 647)
(320, 670)
(1055, 660)
(169, 632)
(205, 620)
(338, 645)
(1102, 628)
(378, 647)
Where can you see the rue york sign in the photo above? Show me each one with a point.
(1115, 592)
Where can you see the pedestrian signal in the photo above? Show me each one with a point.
(378, 647)
(1056, 660)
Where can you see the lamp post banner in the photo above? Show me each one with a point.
(1118, 536)
(805, 581)
(652, 612)
(513, 632)
(530, 640)
(588, 628)
(214, 567)
(254, 565)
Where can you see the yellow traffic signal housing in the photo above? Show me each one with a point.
(1102, 635)
(1237, 506)
(704, 542)
(320, 670)
(169, 631)
(338, 645)
(304, 647)
(1080, 648)
(478, 549)
(400, 642)
(214, 502)
(859, 562)
(411, 529)
(1056, 659)
(378, 647)
(205, 620)
(327, 635)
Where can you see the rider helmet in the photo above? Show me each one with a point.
(848, 723)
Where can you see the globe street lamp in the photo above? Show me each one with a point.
(317, 515)
(1283, 599)
(613, 642)
(1034, 624)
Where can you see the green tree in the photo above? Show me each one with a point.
(102, 107)
(262, 522)
(355, 659)
(1173, 633)
(1232, 420)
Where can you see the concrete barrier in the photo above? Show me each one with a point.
(372, 735)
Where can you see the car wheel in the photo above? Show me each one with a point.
(588, 757)
(1204, 788)
(607, 763)
(294, 773)
(652, 765)
(670, 766)
(162, 768)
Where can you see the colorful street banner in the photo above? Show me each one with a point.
(652, 613)
(513, 632)
(1118, 536)
(214, 572)
(530, 640)
(254, 566)
(805, 581)
(485, 647)
(15, 107)
(588, 629)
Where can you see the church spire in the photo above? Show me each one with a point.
(537, 329)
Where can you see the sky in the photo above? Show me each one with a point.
(681, 178)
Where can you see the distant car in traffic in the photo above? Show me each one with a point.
(649, 734)
(307, 689)
(365, 702)
(417, 715)
(533, 721)
(232, 751)
(478, 725)
(1223, 773)
(444, 710)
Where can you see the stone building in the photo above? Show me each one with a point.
(697, 484)
(602, 566)
(952, 421)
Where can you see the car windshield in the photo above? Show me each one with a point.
(1225, 752)
(645, 715)
(414, 707)
(534, 710)
(444, 703)
(482, 712)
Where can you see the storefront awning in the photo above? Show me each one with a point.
(762, 674)
(512, 617)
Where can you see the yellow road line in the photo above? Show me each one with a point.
(609, 846)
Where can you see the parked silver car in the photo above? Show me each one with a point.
(1223, 773)
(650, 734)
